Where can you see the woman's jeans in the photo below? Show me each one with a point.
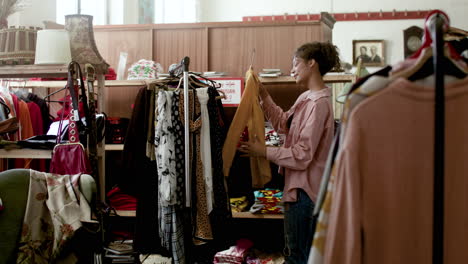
(298, 228)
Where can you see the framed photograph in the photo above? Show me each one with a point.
(371, 52)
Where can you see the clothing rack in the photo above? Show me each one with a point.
(436, 24)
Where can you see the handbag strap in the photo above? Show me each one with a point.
(72, 127)
(73, 133)
(75, 69)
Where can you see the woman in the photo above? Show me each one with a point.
(309, 127)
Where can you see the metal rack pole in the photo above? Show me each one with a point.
(186, 62)
(436, 24)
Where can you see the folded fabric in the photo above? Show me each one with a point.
(234, 254)
(238, 204)
(268, 193)
(121, 201)
(267, 208)
(267, 201)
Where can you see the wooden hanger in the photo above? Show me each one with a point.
(222, 96)
(252, 57)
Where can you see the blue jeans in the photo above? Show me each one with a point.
(298, 228)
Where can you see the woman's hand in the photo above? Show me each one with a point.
(253, 148)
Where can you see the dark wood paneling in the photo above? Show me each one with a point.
(171, 45)
(231, 48)
(221, 46)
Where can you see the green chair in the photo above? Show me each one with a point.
(14, 186)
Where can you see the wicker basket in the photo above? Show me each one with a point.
(17, 45)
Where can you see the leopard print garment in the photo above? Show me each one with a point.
(201, 219)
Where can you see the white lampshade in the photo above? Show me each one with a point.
(53, 47)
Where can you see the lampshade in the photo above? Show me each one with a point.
(53, 47)
(83, 45)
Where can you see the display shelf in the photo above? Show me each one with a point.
(328, 78)
(256, 216)
(30, 71)
(247, 215)
(60, 84)
(26, 153)
(114, 147)
(126, 213)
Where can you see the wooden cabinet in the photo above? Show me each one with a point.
(220, 46)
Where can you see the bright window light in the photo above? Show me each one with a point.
(95, 8)
(176, 11)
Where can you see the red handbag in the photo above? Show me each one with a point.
(70, 157)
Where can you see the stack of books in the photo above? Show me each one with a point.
(271, 73)
(120, 252)
(213, 74)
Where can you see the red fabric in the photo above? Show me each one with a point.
(36, 120)
(16, 106)
(428, 38)
(48, 79)
(121, 201)
(111, 75)
(235, 254)
(67, 108)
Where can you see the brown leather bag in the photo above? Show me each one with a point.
(9, 126)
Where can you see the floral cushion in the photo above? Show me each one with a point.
(144, 69)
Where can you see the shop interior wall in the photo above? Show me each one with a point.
(225, 47)
(344, 32)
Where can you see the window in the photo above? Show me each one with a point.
(95, 8)
(176, 11)
(130, 11)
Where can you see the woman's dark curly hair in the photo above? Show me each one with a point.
(324, 53)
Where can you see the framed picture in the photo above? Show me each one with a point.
(371, 52)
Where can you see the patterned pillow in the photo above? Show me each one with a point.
(144, 69)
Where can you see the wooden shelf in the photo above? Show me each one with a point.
(61, 84)
(29, 71)
(256, 216)
(26, 153)
(247, 215)
(328, 78)
(114, 147)
(125, 213)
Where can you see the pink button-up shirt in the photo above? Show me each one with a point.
(308, 140)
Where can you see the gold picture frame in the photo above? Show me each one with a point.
(371, 52)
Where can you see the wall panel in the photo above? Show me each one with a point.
(137, 42)
(171, 45)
